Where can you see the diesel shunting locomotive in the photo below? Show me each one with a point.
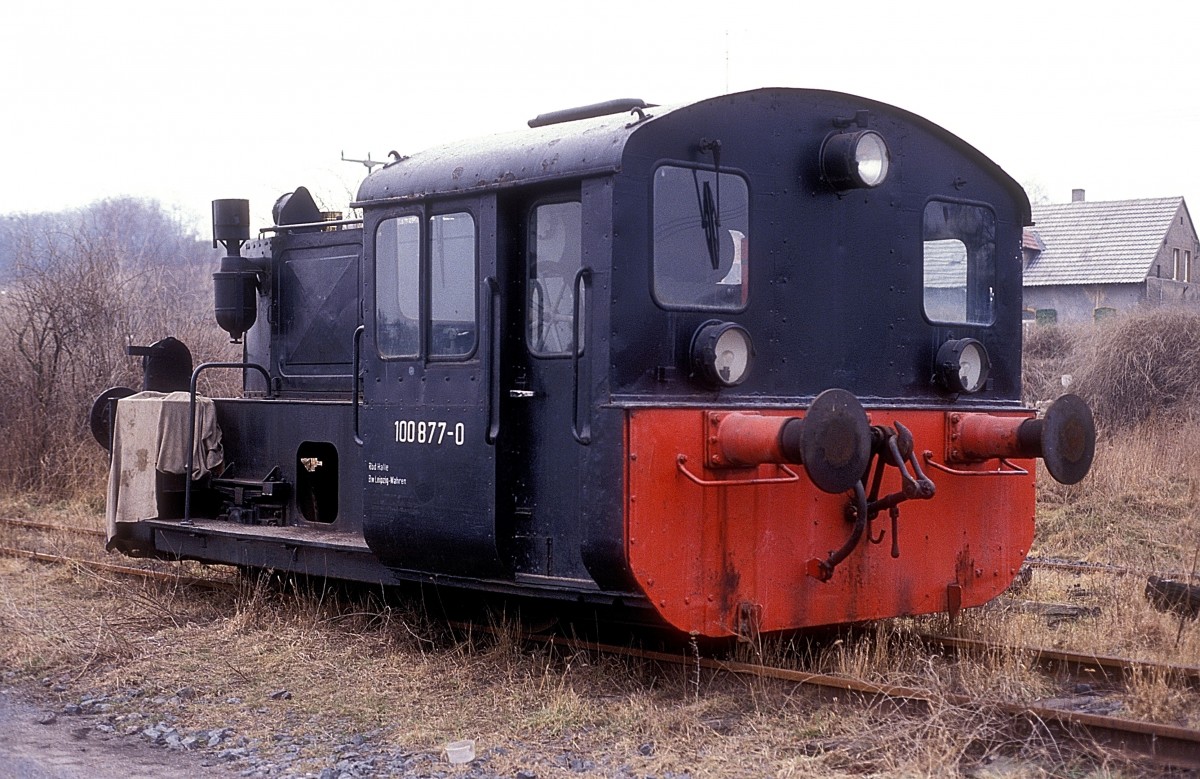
(753, 363)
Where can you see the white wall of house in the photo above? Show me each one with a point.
(1076, 303)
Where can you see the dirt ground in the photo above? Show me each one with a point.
(36, 743)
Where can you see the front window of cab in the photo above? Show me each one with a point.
(701, 239)
(959, 262)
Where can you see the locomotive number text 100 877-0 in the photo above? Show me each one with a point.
(411, 431)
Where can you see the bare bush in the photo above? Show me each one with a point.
(81, 287)
(1140, 366)
(1048, 355)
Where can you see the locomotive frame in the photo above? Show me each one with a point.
(703, 359)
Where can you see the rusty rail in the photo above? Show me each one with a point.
(1083, 665)
(32, 525)
(123, 570)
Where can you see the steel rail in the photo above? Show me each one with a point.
(1082, 567)
(1083, 665)
(1078, 566)
(123, 570)
(32, 525)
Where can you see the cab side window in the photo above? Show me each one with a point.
(452, 285)
(554, 259)
(426, 303)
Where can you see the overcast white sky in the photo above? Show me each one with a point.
(189, 102)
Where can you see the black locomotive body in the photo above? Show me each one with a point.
(752, 362)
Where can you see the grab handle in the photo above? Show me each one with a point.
(493, 428)
(187, 480)
(356, 364)
(580, 332)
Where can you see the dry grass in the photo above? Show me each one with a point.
(364, 664)
(1141, 376)
(358, 665)
(1138, 506)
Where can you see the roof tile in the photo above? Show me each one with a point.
(1102, 242)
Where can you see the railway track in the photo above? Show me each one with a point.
(1164, 745)
(98, 566)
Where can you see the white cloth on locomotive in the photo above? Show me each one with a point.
(150, 434)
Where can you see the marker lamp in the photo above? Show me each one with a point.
(962, 365)
(855, 160)
(721, 353)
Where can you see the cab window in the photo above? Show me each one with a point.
(554, 261)
(701, 239)
(398, 286)
(452, 285)
(959, 262)
(449, 316)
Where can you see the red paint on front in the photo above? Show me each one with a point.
(703, 553)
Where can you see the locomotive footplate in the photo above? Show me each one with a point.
(307, 551)
(324, 553)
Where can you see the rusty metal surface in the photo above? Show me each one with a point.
(700, 549)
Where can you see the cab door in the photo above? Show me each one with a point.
(539, 439)
(428, 413)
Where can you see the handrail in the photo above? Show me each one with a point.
(355, 367)
(493, 428)
(582, 283)
(309, 225)
(792, 476)
(187, 476)
(1014, 469)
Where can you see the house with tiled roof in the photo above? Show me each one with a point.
(1086, 260)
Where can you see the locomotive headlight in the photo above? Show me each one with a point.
(851, 160)
(721, 353)
(962, 365)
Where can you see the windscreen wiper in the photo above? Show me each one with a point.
(710, 222)
(710, 207)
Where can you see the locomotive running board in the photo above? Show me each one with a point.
(328, 553)
(304, 550)
(289, 534)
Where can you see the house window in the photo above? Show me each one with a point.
(1187, 264)
(1046, 316)
(1178, 267)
